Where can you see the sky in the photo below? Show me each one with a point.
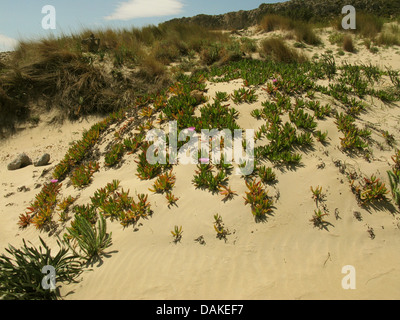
(23, 19)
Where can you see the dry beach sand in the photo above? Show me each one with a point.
(284, 257)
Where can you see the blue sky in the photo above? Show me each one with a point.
(22, 19)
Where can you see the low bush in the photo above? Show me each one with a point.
(272, 22)
(276, 49)
(305, 33)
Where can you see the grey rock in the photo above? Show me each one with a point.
(19, 162)
(42, 161)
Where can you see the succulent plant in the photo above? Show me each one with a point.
(177, 234)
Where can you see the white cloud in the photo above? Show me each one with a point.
(7, 44)
(145, 8)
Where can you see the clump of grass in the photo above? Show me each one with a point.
(299, 45)
(348, 44)
(91, 240)
(368, 25)
(220, 52)
(374, 50)
(248, 45)
(394, 77)
(276, 49)
(388, 38)
(68, 78)
(305, 33)
(59, 71)
(211, 54)
(329, 65)
(272, 22)
(152, 70)
(165, 52)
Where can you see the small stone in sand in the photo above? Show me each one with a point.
(20, 162)
(42, 161)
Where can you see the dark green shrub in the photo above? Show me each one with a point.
(21, 271)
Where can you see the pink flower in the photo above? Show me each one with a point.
(192, 129)
(275, 80)
(54, 181)
(204, 160)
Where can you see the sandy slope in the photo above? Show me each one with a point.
(53, 139)
(283, 258)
